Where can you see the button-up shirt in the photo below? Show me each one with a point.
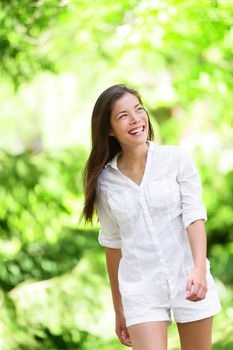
(148, 222)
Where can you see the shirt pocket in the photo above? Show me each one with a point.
(123, 206)
(130, 278)
(164, 193)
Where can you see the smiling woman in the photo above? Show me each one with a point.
(148, 200)
(129, 120)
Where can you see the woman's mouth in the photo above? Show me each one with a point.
(137, 131)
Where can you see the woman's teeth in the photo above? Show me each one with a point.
(136, 131)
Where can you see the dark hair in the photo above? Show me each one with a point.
(104, 146)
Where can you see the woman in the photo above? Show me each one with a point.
(148, 201)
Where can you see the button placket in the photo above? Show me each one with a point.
(154, 238)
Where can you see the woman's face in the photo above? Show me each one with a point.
(129, 121)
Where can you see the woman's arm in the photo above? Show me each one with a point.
(196, 284)
(113, 257)
(197, 239)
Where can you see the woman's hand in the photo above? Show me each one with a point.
(121, 329)
(196, 288)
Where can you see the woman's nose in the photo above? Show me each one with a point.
(134, 117)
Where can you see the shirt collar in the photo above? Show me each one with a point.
(113, 162)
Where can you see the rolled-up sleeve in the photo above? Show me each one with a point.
(191, 190)
(109, 231)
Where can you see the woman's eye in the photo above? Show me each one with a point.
(140, 109)
(122, 116)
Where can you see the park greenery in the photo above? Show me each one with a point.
(56, 57)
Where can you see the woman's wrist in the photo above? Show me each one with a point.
(200, 267)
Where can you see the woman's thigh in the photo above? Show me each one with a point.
(196, 335)
(149, 335)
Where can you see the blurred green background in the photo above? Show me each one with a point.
(56, 58)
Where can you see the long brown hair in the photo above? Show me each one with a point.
(104, 146)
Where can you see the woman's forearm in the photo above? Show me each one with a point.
(113, 257)
(198, 242)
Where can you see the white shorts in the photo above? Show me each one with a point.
(147, 307)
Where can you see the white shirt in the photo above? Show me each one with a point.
(148, 222)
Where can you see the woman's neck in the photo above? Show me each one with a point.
(133, 157)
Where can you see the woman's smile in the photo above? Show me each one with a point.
(129, 121)
(137, 131)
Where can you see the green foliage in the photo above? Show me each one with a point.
(38, 194)
(25, 28)
(218, 198)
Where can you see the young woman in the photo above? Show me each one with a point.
(148, 201)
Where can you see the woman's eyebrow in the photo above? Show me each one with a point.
(138, 104)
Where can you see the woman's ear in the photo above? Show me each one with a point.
(111, 133)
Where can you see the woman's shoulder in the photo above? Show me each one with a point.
(105, 179)
(102, 178)
(166, 149)
(176, 155)
(157, 144)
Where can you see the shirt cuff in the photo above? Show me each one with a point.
(103, 241)
(193, 216)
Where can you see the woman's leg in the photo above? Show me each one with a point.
(196, 335)
(149, 335)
